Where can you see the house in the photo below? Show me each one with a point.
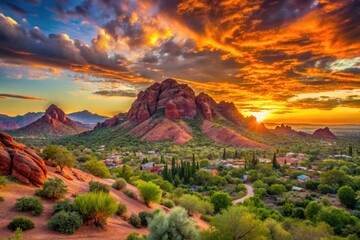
(147, 166)
(297, 189)
(302, 168)
(303, 178)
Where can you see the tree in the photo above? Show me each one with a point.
(193, 166)
(236, 223)
(334, 176)
(150, 192)
(277, 189)
(175, 225)
(312, 210)
(125, 172)
(203, 177)
(274, 162)
(221, 200)
(337, 218)
(193, 204)
(165, 173)
(53, 188)
(96, 207)
(97, 168)
(347, 196)
(64, 158)
(224, 154)
(350, 151)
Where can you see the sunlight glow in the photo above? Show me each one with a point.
(261, 116)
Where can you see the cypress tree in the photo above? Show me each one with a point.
(274, 162)
(162, 160)
(197, 166)
(193, 166)
(254, 160)
(224, 154)
(165, 172)
(236, 155)
(173, 167)
(350, 151)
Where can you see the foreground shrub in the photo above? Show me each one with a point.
(96, 207)
(176, 224)
(18, 235)
(22, 223)
(3, 181)
(168, 203)
(150, 192)
(98, 187)
(129, 193)
(119, 184)
(206, 218)
(52, 188)
(97, 168)
(65, 222)
(194, 204)
(135, 236)
(29, 204)
(65, 205)
(121, 209)
(145, 217)
(135, 221)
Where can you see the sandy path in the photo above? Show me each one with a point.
(249, 193)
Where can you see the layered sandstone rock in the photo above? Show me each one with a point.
(20, 161)
(324, 133)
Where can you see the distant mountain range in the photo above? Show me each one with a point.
(86, 118)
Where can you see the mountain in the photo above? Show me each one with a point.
(53, 123)
(172, 111)
(86, 117)
(324, 133)
(8, 123)
(20, 161)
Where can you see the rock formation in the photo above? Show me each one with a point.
(324, 133)
(20, 161)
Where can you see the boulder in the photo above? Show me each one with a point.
(20, 161)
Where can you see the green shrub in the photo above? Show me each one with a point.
(135, 221)
(96, 207)
(347, 196)
(18, 235)
(206, 218)
(168, 203)
(119, 184)
(325, 188)
(145, 217)
(121, 209)
(65, 222)
(22, 223)
(52, 188)
(3, 181)
(134, 236)
(95, 186)
(150, 192)
(97, 168)
(221, 200)
(29, 204)
(65, 205)
(129, 193)
(277, 189)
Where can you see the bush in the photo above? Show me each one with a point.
(130, 193)
(52, 188)
(194, 204)
(324, 189)
(119, 184)
(29, 204)
(312, 185)
(277, 189)
(95, 186)
(168, 203)
(97, 168)
(121, 209)
(206, 218)
(287, 209)
(135, 221)
(65, 222)
(150, 192)
(96, 207)
(22, 223)
(145, 217)
(134, 236)
(3, 181)
(347, 196)
(298, 212)
(221, 200)
(65, 205)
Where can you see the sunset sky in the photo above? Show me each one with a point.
(294, 61)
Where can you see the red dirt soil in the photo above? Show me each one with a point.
(116, 228)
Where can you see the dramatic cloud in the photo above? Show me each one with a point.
(7, 95)
(326, 103)
(116, 93)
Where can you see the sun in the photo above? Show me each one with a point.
(261, 116)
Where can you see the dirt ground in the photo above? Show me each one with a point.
(116, 228)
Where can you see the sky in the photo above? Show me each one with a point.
(293, 61)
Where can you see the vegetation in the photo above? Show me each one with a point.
(150, 192)
(347, 196)
(194, 204)
(29, 204)
(135, 221)
(119, 184)
(21, 223)
(53, 188)
(121, 211)
(145, 218)
(64, 205)
(95, 207)
(221, 200)
(65, 222)
(95, 186)
(60, 155)
(175, 225)
(97, 168)
(3, 181)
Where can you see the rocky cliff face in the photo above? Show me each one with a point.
(54, 123)
(20, 161)
(324, 133)
(112, 121)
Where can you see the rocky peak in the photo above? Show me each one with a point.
(324, 133)
(55, 113)
(206, 104)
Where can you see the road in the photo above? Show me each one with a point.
(249, 193)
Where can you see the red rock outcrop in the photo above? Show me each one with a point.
(112, 121)
(20, 161)
(324, 133)
(54, 122)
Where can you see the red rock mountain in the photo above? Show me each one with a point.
(53, 123)
(159, 113)
(20, 161)
(324, 133)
